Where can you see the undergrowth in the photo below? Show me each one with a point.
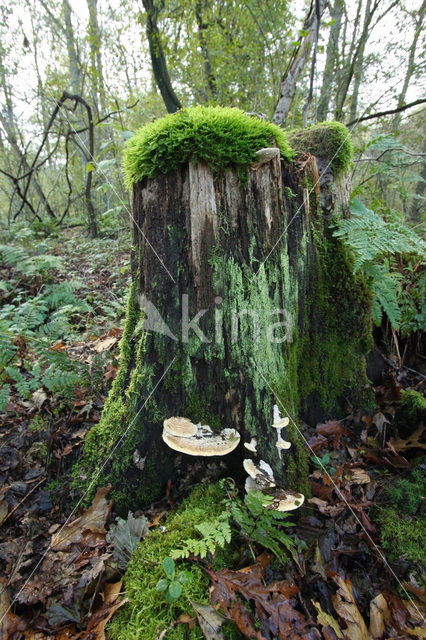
(45, 307)
(391, 257)
(147, 613)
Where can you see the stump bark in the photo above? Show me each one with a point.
(241, 299)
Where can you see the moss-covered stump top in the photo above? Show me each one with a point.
(220, 136)
(328, 140)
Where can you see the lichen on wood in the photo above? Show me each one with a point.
(241, 240)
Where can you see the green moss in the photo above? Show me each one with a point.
(219, 136)
(338, 328)
(147, 614)
(413, 403)
(328, 140)
(406, 494)
(403, 536)
(119, 411)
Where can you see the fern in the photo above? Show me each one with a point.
(215, 533)
(4, 396)
(371, 237)
(376, 244)
(29, 266)
(261, 524)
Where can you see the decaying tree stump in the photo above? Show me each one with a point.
(241, 299)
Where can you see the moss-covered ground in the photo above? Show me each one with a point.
(147, 613)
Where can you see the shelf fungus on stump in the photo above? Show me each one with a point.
(180, 434)
(261, 478)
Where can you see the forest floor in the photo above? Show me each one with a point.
(359, 574)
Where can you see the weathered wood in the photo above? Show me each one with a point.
(244, 252)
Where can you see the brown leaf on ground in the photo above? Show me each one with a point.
(347, 609)
(271, 601)
(356, 476)
(89, 529)
(10, 624)
(100, 618)
(103, 345)
(328, 509)
(379, 615)
(418, 591)
(326, 620)
(335, 429)
(210, 621)
(413, 442)
(317, 443)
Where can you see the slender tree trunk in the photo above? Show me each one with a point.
(297, 64)
(96, 69)
(74, 63)
(411, 65)
(359, 60)
(158, 59)
(332, 61)
(202, 27)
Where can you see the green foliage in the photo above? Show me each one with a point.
(379, 247)
(323, 463)
(407, 494)
(219, 136)
(413, 403)
(147, 614)
(328, 140)
(214, 533)
(172, 583)
(29, 265)
(261, 524)
(37, 318)
(402, 536)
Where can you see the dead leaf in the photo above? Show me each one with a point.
(420, 592)
(325, 619)
(326, 509)
(87, 530)
(210, 621)
(379, 614)
(100, 619)
(333, 428)
(9, 622)
(379, 419)
(271, 601)
(104, 345)
(347, 609)
(413, 442)
(39, 397)
(4, 508)
(356, 476)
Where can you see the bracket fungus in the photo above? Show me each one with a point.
(198, 440)
(260, 477)
(251, 446)
(278, 424)
(287, 500)
(180, 427)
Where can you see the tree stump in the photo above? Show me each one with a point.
(241, 300)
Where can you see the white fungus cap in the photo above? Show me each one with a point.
(181, 427)
(204, 442)
(251, 446)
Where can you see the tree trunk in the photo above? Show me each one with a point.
(241, 299)
(158, 58)
(331, 63)
(297, 63)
